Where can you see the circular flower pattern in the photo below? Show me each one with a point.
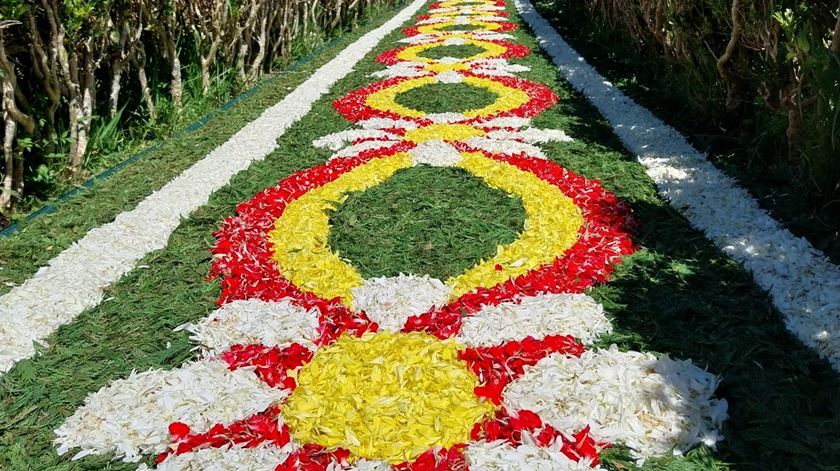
(514, 98)
(386, 396)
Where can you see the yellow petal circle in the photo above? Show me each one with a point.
(385, 396)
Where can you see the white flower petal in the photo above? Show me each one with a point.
(651, 405)
(278, 323)
(130, 417)
(387, 123)
(501, 456)
(449, 77)
(531, 135)
(435, 153)
(389, 301)
(338, 140)
(538, 316)
(262, 458)
(508, 147)
(365, 465)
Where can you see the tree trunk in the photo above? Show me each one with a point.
(117, 67)
(74, 157)
(176, 86)
(12, 116)
(735, 87)
(139, 63)
(6, 193)
(835, 41)
(245, 36)
(256, 66)
(45, 69)
(88, 82)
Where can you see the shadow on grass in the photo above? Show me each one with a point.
(681, 296)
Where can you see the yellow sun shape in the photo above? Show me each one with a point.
(385, 396)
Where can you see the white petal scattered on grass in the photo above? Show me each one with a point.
(76, 279)
(501, 456)
(262, 458)
(130, 417)
(470, 9)
(482, 35)
(253, 321)
(389, 301)
(446, 117)
(454, 41)
(402, 69)
(496, 67)
(803, 283)
(537, 316)
(655, 406)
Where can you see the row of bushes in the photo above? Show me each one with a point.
(767, 71)
(65, 65)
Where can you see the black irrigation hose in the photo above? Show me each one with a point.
(50, 207)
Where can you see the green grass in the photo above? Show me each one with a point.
(677, 294)
(459, 28)
(425, 221)
(446, 97)
(459, 51)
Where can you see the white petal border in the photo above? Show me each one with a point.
(75, 280)
(803, 284)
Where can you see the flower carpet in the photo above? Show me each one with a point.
(309, 364)
(436, 269)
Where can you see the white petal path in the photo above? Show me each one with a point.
(803, 284)
(75, 280)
